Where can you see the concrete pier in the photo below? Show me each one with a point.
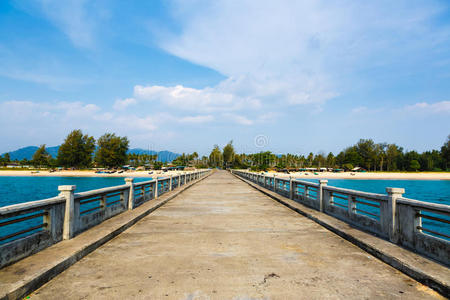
(222, 239)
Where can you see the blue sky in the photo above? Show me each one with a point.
(285, 76)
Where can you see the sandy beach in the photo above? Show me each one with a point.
(311, 175)
(368, 175)
(88, 173)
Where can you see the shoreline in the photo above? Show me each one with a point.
(365, 176)
(88, 173)
(300, 175)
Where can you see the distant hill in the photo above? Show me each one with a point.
(163, 156)
(27, 152)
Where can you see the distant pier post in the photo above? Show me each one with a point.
(68, 191)
(322, 183)
(391, 218)
(129, 182)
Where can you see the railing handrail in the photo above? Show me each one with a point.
(304, 182)
(378, 197)
(13, 208)
(144, 182)
(101, 191)
(425, 205)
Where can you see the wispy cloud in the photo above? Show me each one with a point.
(75, 19)
(197, 119)
(300, 52)
(442, 107)
(238, 119)
(185, 98)
(121, 104)
(54, 82)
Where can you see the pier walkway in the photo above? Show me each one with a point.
(223, 239)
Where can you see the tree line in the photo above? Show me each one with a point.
(365, 153)
(81, 151)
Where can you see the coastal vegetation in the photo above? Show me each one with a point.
(76, 151)
(112, 150)
(365, 154)
(83, 151)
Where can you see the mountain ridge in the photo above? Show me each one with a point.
(27, 152)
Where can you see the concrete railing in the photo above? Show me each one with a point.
(409, 223)
(29, 227)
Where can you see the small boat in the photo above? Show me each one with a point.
(150, 173)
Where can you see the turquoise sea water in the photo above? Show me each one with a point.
(15, 190)
(437, 191)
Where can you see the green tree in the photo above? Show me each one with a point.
(157, 165)
(310, 159)
(215, 157)
(24, 162)
(5, 159)
(445, 154)
(41, 157)
(366, 149)
(394, 154)
(195, 158)
(112, 150)
(76, 151)
(414, 165)
(228, 154)
(331, 160)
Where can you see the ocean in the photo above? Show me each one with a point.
(15, 190)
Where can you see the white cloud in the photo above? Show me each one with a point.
(359, 109)
(27, 122)
(72, 17)
(238, 119)
(121, 104)
(442, 107)
(197, 119)
(54, 82)
(298, 52)
(185, 98)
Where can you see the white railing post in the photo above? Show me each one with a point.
(391, 218)
(156, 187)
(351, 206)
(170, 182)
(179, 180)
(322, 183)
(129, 182)
(68, 191)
